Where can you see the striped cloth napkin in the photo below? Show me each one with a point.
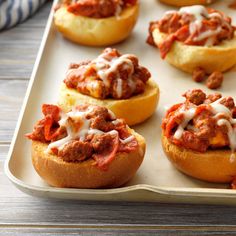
(16, 11)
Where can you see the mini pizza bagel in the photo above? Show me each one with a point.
(86, 147)
(96, 32)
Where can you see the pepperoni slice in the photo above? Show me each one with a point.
(51, 110)
(52, 116)
(47, 129)
(166, 45)
(172, 123)
(128, 147)
(173, 108)
(108, 154)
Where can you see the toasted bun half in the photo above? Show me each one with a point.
(133, 110)
(216, 166)
(180, 3)
(187, 58)
(86, 174)
(96, 32)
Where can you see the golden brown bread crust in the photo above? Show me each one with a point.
(187, 58)
(59, 173)
(214, 165)
(96, 32)
(181, 3)
(128, 109)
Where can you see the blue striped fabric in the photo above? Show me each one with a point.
(13, 12)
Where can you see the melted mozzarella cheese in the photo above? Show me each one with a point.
(127, 140)
(119, 87)
(207, 34)
(231, 132)
(112, 115)
(84, 130)
(200, 13)
(71, 134)
(105, 67)
(188, 115)
(220, 108)
(118, 11)
(229, 122)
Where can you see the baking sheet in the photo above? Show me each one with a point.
(157, 179)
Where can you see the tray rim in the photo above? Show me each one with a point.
(164, 191)
(167, 191)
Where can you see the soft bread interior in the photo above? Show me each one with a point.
(218, 166)
(86, 174)
(128, 109)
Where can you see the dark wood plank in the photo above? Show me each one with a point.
(32, 211)
(18, 48)
(112, 231)
(19, 45)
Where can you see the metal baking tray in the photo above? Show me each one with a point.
(157, 179)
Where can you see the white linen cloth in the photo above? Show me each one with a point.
(13, 12)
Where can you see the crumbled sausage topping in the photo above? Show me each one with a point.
(199, 75)
(97, 8)
(214, 80)
(83, 133)
(110, 75)
(195, 25)
(202, 122)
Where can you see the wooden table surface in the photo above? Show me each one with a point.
(23, 214)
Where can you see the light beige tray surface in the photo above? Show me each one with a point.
(157, 179)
